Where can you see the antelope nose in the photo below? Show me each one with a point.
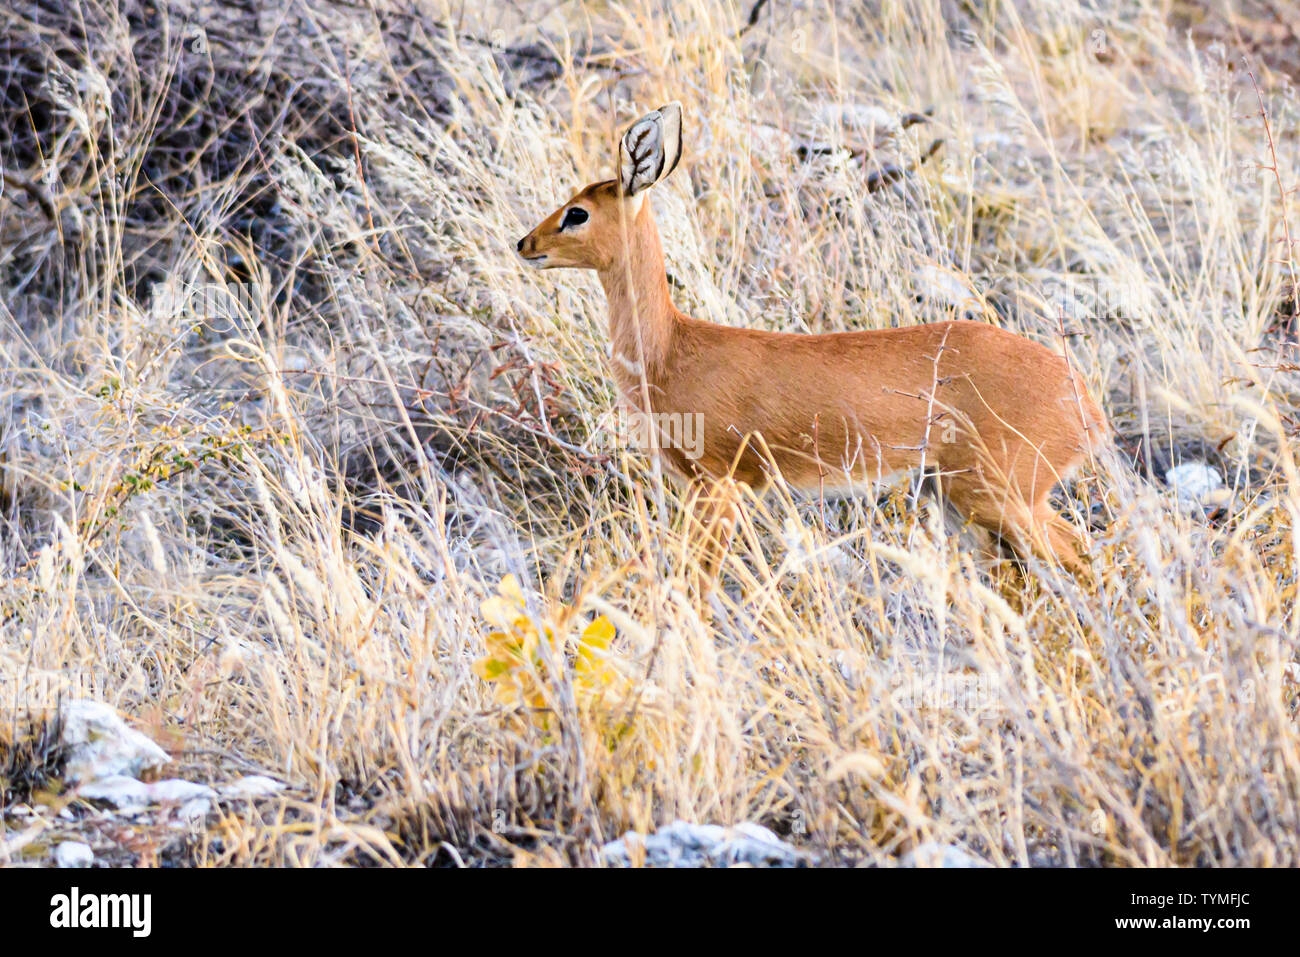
(519, 246)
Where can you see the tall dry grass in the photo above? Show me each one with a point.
(264, 528)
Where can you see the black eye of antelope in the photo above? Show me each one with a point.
(576, 216)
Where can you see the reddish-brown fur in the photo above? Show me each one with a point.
(1000, 418)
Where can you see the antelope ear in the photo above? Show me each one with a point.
(650, 149)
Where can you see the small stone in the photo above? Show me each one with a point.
(126, 793)
(1197, 486)
(73, 854)
(254, 785)
(176, 791)
(682, 844)
(933, 854)
(195, 809)
(101, 745)
(946, 287)
(119, 790)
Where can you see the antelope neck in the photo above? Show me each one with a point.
(642, 317)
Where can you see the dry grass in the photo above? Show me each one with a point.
(267, 535)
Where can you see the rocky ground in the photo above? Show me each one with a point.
(320, 546)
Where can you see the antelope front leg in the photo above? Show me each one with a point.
(711, 520)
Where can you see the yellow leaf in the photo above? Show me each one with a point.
(591, 666)
(498, 612)
(599, 633)
(506, 605)
(509, 589)
(490, 669)
(501, 643)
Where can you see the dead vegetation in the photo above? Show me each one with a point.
(280, 412)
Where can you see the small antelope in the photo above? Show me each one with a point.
(996, 419)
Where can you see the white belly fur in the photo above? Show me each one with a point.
(841, 486)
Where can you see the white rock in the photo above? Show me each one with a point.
(254, 785)
(73, 854)
(682, 844)
(101, 745)
(765, 141)
(176, 791)
(879, 124)
(947, 287)
(119, 790)
(1197, 485)
(195, 809)
(755, 845)
(126, 793)
(932, 854)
